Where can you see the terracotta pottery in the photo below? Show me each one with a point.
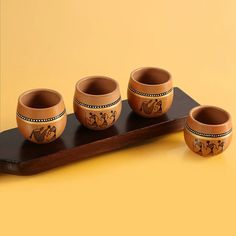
(97, 102)
(150, 91)
(41, 115)
(208, 130)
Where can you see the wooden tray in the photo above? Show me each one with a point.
(21, 157)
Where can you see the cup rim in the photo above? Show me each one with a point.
(77, 87)
(201, 107)
(148, 68)
(39, 90)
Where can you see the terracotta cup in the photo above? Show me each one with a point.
(41, 115)
(208, 130)
(150, 91)
(97, 102)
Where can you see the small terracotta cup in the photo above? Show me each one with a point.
(97, 102)
(150, 91)
(208, 130)
(41, 115)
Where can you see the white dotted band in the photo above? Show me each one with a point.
(150, 94)
(97, 106)
(208, 135)
(41, 120)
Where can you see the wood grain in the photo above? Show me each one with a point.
(20, 157)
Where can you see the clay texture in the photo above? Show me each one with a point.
(97, 102)
(41, 115)
(150, 91)
(208, 130)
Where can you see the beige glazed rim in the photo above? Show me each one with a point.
(97, 90)
(207, 120)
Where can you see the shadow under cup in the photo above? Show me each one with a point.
(150, 91)
(41, 115)
(97, 102)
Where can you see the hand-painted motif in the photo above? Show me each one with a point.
(208, 148)
(102, 119)
(44, 134)
(151, 106)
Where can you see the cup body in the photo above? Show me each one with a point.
(208, 130)
(97, 102)
(150, 91)
(41, 115)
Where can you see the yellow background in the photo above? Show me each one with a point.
(158, 187)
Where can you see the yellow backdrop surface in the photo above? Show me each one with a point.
(155, 188)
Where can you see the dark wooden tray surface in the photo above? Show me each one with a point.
(18, 156)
